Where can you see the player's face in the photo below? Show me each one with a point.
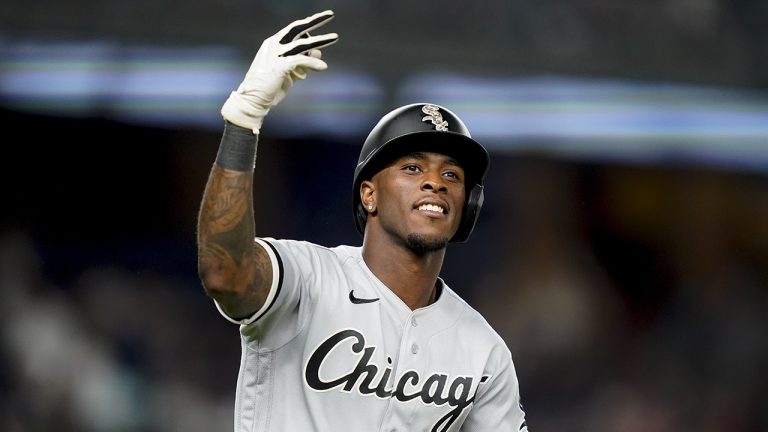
(419, 199)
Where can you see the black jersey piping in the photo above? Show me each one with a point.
(279, 280)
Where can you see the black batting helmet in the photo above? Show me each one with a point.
(423, 127)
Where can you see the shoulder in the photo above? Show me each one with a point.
(304, 252)
(485, 342)
(473, 325)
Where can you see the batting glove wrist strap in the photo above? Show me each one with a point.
(282, 58)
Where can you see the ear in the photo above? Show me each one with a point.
(368, 195)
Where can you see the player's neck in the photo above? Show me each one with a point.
(410, 276)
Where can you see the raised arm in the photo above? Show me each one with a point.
(234, 269)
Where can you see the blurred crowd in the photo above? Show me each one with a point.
(115, 351)
(636, 299)
(632, 299)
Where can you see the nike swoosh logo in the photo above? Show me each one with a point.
(358, 300)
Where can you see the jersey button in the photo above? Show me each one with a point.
(413, 322)
(414, 348)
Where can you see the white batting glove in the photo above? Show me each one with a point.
(284, 57)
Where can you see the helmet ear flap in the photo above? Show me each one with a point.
(470, 214)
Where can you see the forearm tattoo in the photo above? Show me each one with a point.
(226, 223)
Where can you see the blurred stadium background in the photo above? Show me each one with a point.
(622, 251)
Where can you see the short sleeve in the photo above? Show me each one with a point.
(277, 284)
(288, 303)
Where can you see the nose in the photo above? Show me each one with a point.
(433, 183)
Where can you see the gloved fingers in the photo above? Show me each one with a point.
(309, 43)
(296, 28)
(283, 58)
(299, 73)
(306, 62)
(314, 53)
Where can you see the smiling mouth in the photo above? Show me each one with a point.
(432, 208)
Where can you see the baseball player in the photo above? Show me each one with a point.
(350, 338)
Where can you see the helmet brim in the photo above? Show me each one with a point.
(470, 155)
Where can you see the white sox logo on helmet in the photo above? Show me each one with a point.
(437, 389)
(433, 115)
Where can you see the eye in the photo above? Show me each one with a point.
(413, 168)
(452, 174)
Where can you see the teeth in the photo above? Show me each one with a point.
(431, 207)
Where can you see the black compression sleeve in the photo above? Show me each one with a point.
(237, 150)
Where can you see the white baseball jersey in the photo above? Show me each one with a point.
(333, 349)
